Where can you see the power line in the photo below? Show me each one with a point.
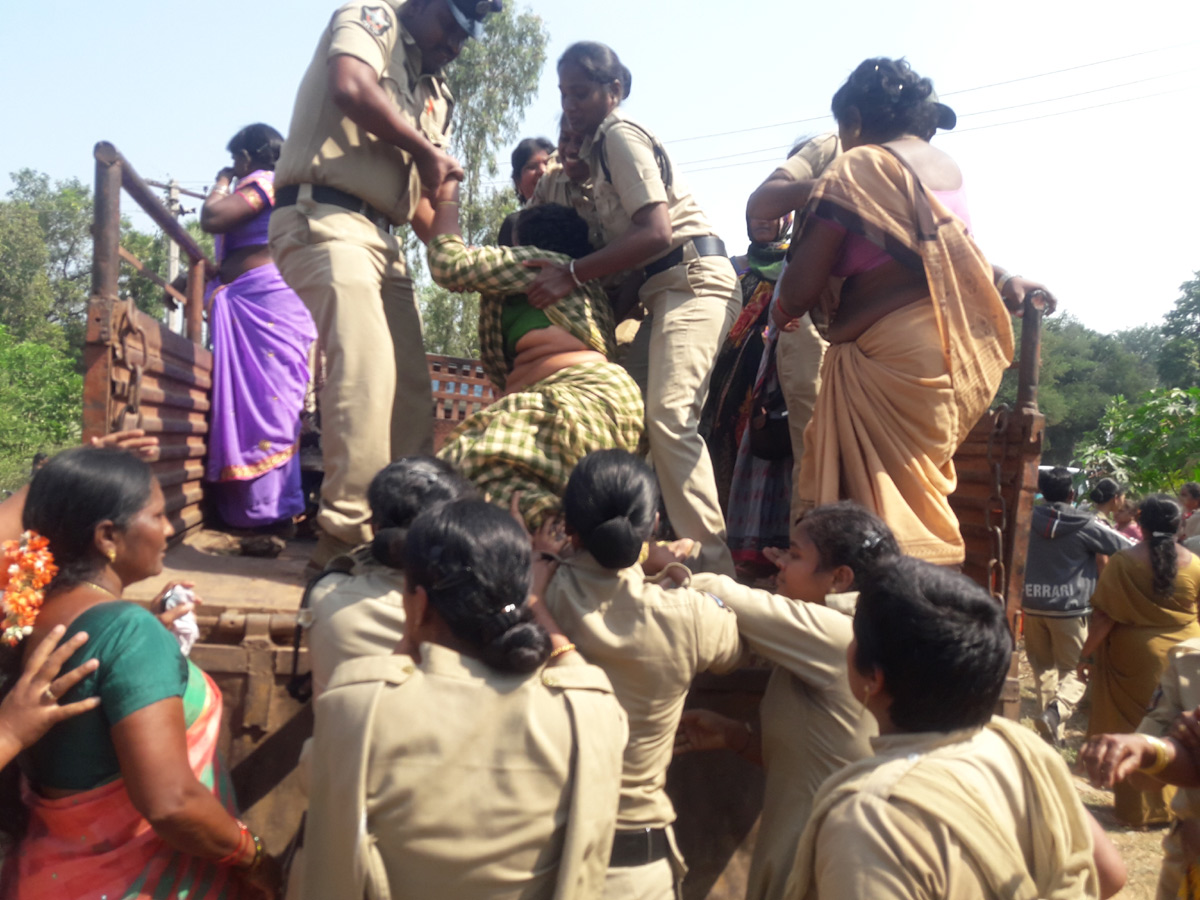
(1061, 112)
(1099, 62)
(1111, 87)
(1064, 112)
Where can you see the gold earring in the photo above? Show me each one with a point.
(111, 554)
(866, 694)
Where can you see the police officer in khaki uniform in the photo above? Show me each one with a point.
(801, 349)
(691, 294)
(368, 136)
(463, 766)
(651, 640)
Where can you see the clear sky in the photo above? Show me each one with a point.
(1101, 203)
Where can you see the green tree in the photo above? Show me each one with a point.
(39, 403)
(493, 82)
(26, 301)
(1144, 342)
(1179, 360)
(1082, 370)
(64, 212)
(1151, 445)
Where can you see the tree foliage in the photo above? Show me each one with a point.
(1179, 360)
(1082, 370)
(39, 401)
(1151, 445)
(26, 299)
(493, 81)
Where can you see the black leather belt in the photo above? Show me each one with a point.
(709, 245)
(289, 194)
(639, 848)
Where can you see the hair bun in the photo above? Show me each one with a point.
(387, 547)
(626, 82)
(615, 543)
(521, 648)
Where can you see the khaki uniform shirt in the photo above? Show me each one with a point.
(870, 847)
(324, 147)
(810, 160)
(652, 641)
(636, 182)
(357, 614)
(1178, 692)
(556, 187)
(812, 725)
(449, 779)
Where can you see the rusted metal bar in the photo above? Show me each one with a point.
(153, 276)
(103, 303)
(1031, 354)
(195, 301)
(145, 197)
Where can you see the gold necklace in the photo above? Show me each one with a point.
(100, 587)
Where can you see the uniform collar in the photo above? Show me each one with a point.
(448, 663)
(908, 744)
(585, 150)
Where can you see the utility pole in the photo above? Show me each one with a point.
(175, 208)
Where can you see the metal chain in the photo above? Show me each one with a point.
(996, 511)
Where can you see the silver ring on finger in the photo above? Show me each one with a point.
(49, 696)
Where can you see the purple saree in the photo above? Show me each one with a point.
(261, 334)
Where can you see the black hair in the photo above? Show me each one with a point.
(601, 64)
(1106, 489)
(1056, 484)
(69, 496)
(76, 491)
(506, 236)
(554, 227)
(1192, 489)
(940, 641)
(610, 502)
(846, 534)
(523, 153)
(890, 97)
(262, 144)
(473, 560)
(1160, 517)
(399, 492)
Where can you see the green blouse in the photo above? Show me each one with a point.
(140, 664)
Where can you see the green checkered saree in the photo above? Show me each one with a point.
(530, 440)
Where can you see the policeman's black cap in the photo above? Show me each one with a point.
(947, 118)
(470, 14)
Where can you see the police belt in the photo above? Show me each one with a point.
(708, 245)
(321, 193)
(639, 848)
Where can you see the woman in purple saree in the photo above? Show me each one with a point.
(261, 335)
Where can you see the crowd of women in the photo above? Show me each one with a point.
(501, 685)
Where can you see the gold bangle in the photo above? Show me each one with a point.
(561, 651)
(645, 554)
(1160, 756)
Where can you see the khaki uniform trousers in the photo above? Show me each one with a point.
(1052, 645)
(798, 356)
(375, 404)
(690, 308)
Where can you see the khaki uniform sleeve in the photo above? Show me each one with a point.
(719, 647)
(340, 859)
(810, 161)
(634, 169)
(867, 850)
(366, 31)
(808, 640)
(601, 732)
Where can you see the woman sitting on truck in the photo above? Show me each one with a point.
(261, 334)
(920, 335)
(127, 799)
(560, 395)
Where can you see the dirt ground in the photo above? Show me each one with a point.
(1140, 848)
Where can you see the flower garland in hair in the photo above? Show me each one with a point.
(28, 566)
